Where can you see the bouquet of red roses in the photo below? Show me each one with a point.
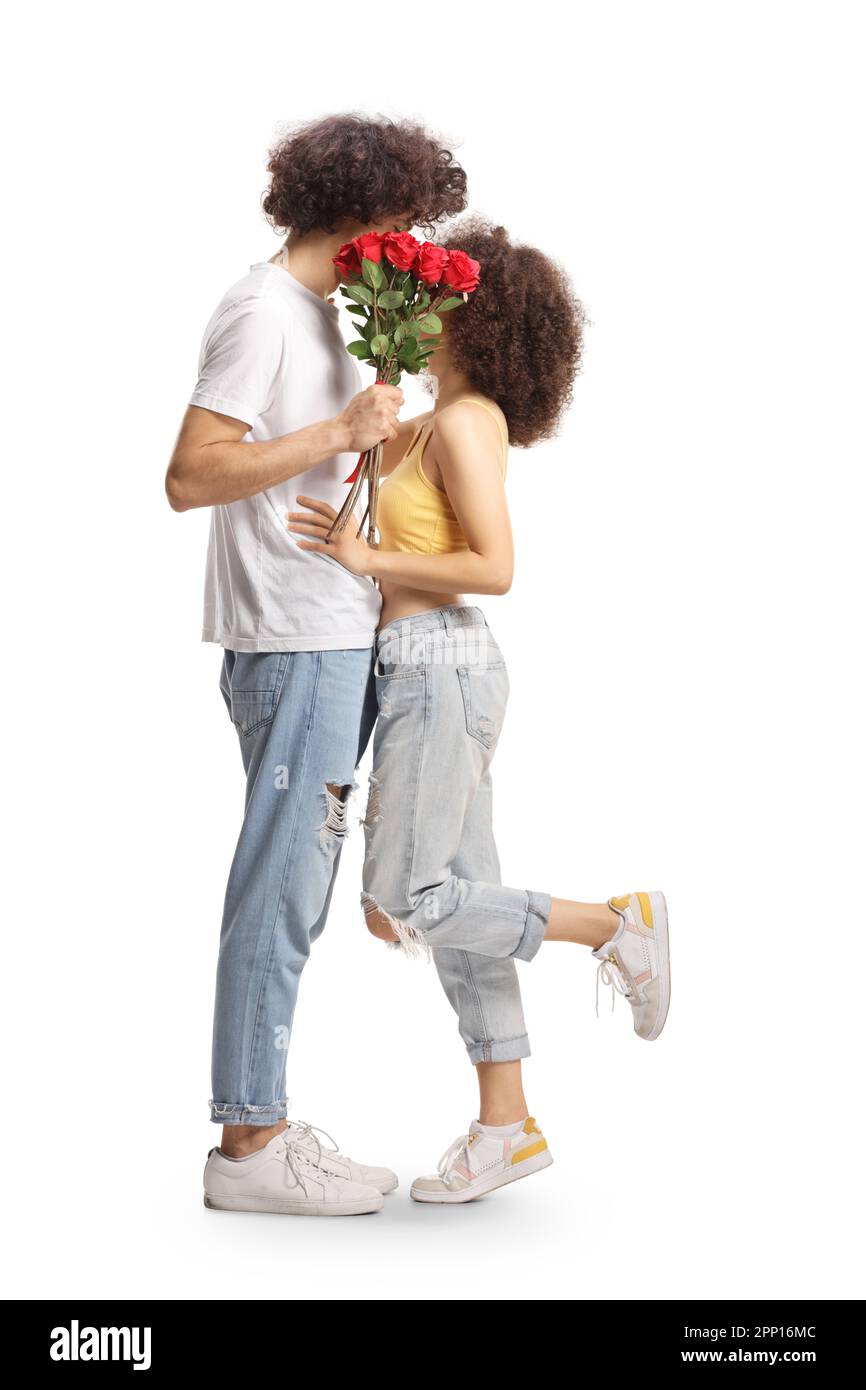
(396, 287)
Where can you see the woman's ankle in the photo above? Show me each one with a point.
(582, 924)
(496, 1118)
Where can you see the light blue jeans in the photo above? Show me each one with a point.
(303, 720)
(431, 868)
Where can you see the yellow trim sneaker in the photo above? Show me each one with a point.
(489, 1156)
(636, 961)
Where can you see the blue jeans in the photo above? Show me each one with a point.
(303, 720)
(431, 870)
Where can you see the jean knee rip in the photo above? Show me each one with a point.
(410, 942)
(335, 826)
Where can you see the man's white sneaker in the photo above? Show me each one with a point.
(330, 1160)
(282, 1178)
(479, 1162)
(636, 961)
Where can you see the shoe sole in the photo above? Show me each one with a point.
(288, 1208)
(485, 1185)
(392, 1187)
(662, 939)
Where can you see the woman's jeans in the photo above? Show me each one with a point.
(431, 869)
(303, 720)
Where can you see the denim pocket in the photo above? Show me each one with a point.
(254, 686)
(485, 695)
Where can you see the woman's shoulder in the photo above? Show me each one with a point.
(460, 421)
(464, 408)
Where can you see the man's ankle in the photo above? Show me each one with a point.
(239, 1141)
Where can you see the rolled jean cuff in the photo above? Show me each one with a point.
(248, 1114)
(507, 1050)
(537, 914)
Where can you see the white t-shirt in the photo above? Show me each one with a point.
(273, 357)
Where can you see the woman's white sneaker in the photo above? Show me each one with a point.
(636, 961)
(283, 1178)
(479, 1162)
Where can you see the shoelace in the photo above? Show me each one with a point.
(459, 1150)
(294, 1156)
(610, 972)
(304, 1130)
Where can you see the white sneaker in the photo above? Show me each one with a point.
(477, 1163)
(636, 961)
(330, 1160)
(282, 1178)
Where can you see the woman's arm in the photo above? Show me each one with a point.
(468, 456)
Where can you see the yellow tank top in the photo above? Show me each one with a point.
(413, 514)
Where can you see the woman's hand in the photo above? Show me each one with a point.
(350, 551)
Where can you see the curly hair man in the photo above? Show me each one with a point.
(277, 409)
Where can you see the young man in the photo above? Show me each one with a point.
(278, 411)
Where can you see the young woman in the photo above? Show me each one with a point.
(431, 873)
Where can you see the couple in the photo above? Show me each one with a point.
(326, 640)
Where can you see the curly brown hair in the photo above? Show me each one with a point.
(351, 167)
(519, 337)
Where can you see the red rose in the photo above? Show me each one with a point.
(461, 272)
(347, 261)
(369, 246)
(401, 248)
(431, 262)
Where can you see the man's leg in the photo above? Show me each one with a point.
(303, 719)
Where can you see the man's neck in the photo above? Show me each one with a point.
(308, 260)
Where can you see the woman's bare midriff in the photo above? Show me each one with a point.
(398, 602)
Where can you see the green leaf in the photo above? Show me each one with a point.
(391, 299)
(360, 294)
(359, 349)
(450, 303)
(431, 323)
(372, 273)
(380, 345)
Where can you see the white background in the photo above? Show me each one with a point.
(684, 636)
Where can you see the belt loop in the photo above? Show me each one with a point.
(447, 620)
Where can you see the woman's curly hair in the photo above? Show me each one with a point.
(519, 336)
(353, 167)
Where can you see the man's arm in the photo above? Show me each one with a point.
(211, 464)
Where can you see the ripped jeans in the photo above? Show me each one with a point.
(303, 720)
(431, 871)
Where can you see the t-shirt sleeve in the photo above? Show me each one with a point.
(240, 362)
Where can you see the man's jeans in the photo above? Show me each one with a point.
(303, 719)
(431, 870)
